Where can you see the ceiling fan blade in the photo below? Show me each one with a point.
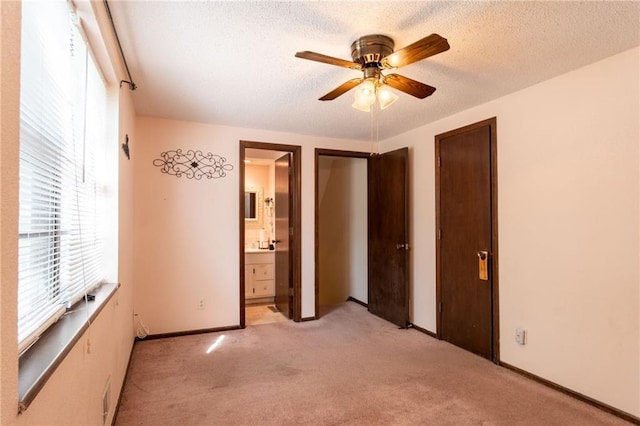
(421, 49)
(342, 89)
(319, 57)
(407, 85)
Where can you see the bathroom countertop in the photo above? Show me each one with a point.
(257, 250)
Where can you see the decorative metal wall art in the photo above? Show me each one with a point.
(193, 164)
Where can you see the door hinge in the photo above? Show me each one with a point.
(440, 307)
(440, 234)
(439, 161)
(291, 291)
(291, 231)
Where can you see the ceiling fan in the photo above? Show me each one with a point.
(374, 53)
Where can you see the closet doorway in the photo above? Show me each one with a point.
(362, 231)
(269, 202)
(340, 228)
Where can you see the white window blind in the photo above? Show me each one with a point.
(62, 127)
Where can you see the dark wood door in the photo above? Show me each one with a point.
(283, 234)
(388, 236)
(465, 231)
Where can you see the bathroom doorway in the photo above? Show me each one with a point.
(270, 267)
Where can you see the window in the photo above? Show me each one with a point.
(63, 201)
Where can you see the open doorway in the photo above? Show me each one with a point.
(368, 223)
(341, 228)
(269, 233)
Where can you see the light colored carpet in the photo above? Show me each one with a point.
(349, 367)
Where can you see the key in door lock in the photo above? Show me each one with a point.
(483, 268)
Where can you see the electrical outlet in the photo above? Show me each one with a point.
(200, 304)
(521, 336)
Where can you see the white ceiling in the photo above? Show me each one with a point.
(232, 63)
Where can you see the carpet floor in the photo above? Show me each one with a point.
(349, 367)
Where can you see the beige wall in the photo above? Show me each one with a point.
(123, 321)
(568, 212)
(186, 231)
(73, 394)
(9, 142)
(257, 175)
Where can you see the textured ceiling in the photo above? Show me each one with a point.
(232, 63)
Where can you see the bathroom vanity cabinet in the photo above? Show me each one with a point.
(259, 275)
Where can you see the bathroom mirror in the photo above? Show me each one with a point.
(250, 212)
(253, 206)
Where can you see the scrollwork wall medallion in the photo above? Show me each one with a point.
(192, 164)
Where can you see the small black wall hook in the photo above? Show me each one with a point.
(125, 147)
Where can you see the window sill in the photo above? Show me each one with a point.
(37, 364)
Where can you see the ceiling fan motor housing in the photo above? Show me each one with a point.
(369, 51)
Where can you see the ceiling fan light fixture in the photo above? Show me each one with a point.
(386, 97)
(368, 92)
(365, 96)
(361, 106)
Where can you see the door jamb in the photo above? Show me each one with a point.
(296, 244)
(327, 153)
(495, 315)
